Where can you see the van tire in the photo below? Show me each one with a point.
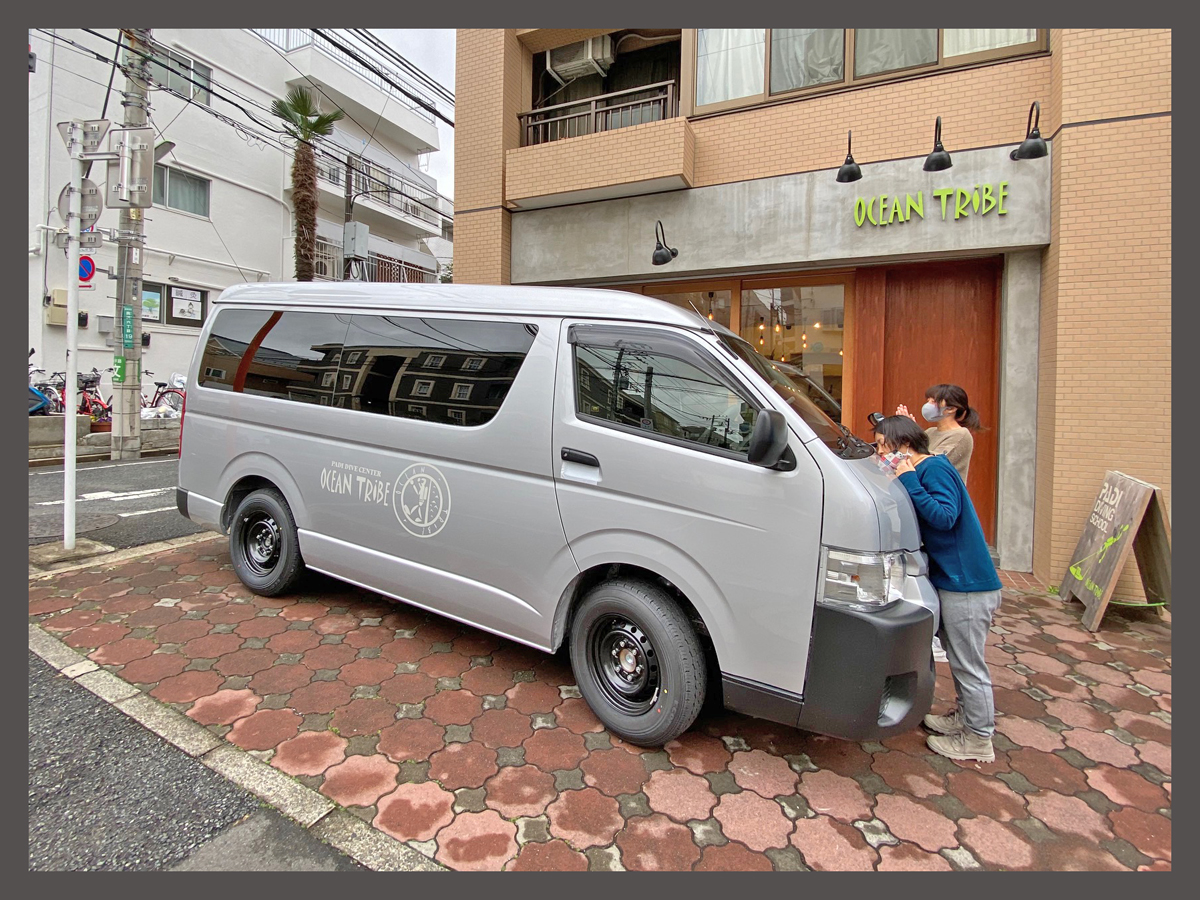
(637, 661)
(264, 544)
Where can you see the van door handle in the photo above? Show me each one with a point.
(578, 456)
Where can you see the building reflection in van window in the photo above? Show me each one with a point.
(659, 394)
(387, 360)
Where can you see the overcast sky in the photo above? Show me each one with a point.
(432, 51)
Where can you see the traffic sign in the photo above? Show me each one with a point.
(93, 133)
(90, 207)
(127, 327)
(87, 268)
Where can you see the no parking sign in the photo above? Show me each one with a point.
(87, 271)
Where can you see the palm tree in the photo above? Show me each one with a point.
(304, 123)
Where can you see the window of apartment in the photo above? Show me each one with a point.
(327, 379)
(417, 411)
(180, 73)
(434, 362)
(473, 363)
(346, 379)
(458, 417)
(422, 389)
(353, 358)
(742, 66)
(177, 189)
(461, 392)
(210, 372)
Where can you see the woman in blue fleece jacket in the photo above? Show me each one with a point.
(961, 569)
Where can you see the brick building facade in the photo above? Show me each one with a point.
(1053, 310)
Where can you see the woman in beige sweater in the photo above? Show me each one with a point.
(946, 405)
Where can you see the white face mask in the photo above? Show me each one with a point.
(931, 413)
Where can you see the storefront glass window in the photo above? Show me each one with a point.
(801, 326)
(713, 304)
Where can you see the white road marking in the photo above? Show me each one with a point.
(110, 495)
(145, 462)
(146, 512)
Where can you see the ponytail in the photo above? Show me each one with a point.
(954, 396)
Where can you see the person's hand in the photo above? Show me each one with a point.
(905, 465)
(902, 410)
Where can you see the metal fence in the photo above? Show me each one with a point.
(389, 188)
(288, 39)
(328, 264)
(606, 112)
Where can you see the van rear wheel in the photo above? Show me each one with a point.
(637, 662)
(264, 545)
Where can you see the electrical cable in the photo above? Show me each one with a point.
(391, 53)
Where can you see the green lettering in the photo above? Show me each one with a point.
(975, 199)
(942, 194)
(917, 206)
(989, 201)
(1003, 193)
(896, 211)
(870, 217)
(860, 212)
(961, 201)
(882, 208)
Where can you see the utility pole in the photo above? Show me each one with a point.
(346, 260)
(127, 379)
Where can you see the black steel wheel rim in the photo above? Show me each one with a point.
(625, 664)
(261, 543)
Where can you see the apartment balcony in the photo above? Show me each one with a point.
(613, 145)
(356, 89)
(394, 206)
(413, 268)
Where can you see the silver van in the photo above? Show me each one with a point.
(587, 468)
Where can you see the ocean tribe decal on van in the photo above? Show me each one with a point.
(420, 496)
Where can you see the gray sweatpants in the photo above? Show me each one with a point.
(966, 619)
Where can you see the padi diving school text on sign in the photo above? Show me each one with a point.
(951, 203)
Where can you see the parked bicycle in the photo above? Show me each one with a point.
(39, 403)
(90, 402)
(166, 393)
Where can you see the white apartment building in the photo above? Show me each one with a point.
(222, 211)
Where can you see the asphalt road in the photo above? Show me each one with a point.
(122, 504)
(105, 794)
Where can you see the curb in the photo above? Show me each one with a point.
(119, 556)
(97, 457)
(310, 809)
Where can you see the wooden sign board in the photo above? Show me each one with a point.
(1127, 514)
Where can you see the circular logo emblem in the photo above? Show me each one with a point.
(421, 500)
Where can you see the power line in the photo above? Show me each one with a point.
(392, 54)
(358, 58)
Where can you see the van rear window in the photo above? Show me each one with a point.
(451, 371)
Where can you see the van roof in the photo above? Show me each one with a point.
(476, 298)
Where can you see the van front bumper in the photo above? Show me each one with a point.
(870, 674)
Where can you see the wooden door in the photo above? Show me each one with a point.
(941, 324)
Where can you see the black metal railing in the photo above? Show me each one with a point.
(606, 112)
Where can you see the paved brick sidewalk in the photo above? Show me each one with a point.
(478, 751)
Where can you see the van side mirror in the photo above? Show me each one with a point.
(769, 439)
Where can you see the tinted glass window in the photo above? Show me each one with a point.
(661, 395)
(292, 355)
(439, 370)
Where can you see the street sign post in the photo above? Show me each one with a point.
(91, 208)
(131, 171)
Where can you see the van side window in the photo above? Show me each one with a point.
(289, 356)
(459, 370)
(639, 387)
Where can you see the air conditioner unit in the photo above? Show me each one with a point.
(590, 57)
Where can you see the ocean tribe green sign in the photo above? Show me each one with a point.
(956, 203)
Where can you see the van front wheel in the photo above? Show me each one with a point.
(637, 662)
(264, 545)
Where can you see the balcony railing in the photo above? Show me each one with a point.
(606, 112)
(288, 39)
(389, 188)
(328, 263)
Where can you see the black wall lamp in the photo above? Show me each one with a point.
(662, 253)
(938, 158)
(849, 170)
(1033, 147)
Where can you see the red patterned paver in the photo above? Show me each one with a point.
(515, 741)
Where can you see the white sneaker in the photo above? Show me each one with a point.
(939, 655)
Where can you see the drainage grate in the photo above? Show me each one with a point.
(50, 525)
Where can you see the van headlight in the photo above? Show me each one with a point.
(862, 581)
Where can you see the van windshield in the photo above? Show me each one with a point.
(833, 435)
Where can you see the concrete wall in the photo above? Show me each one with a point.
(786, 222)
